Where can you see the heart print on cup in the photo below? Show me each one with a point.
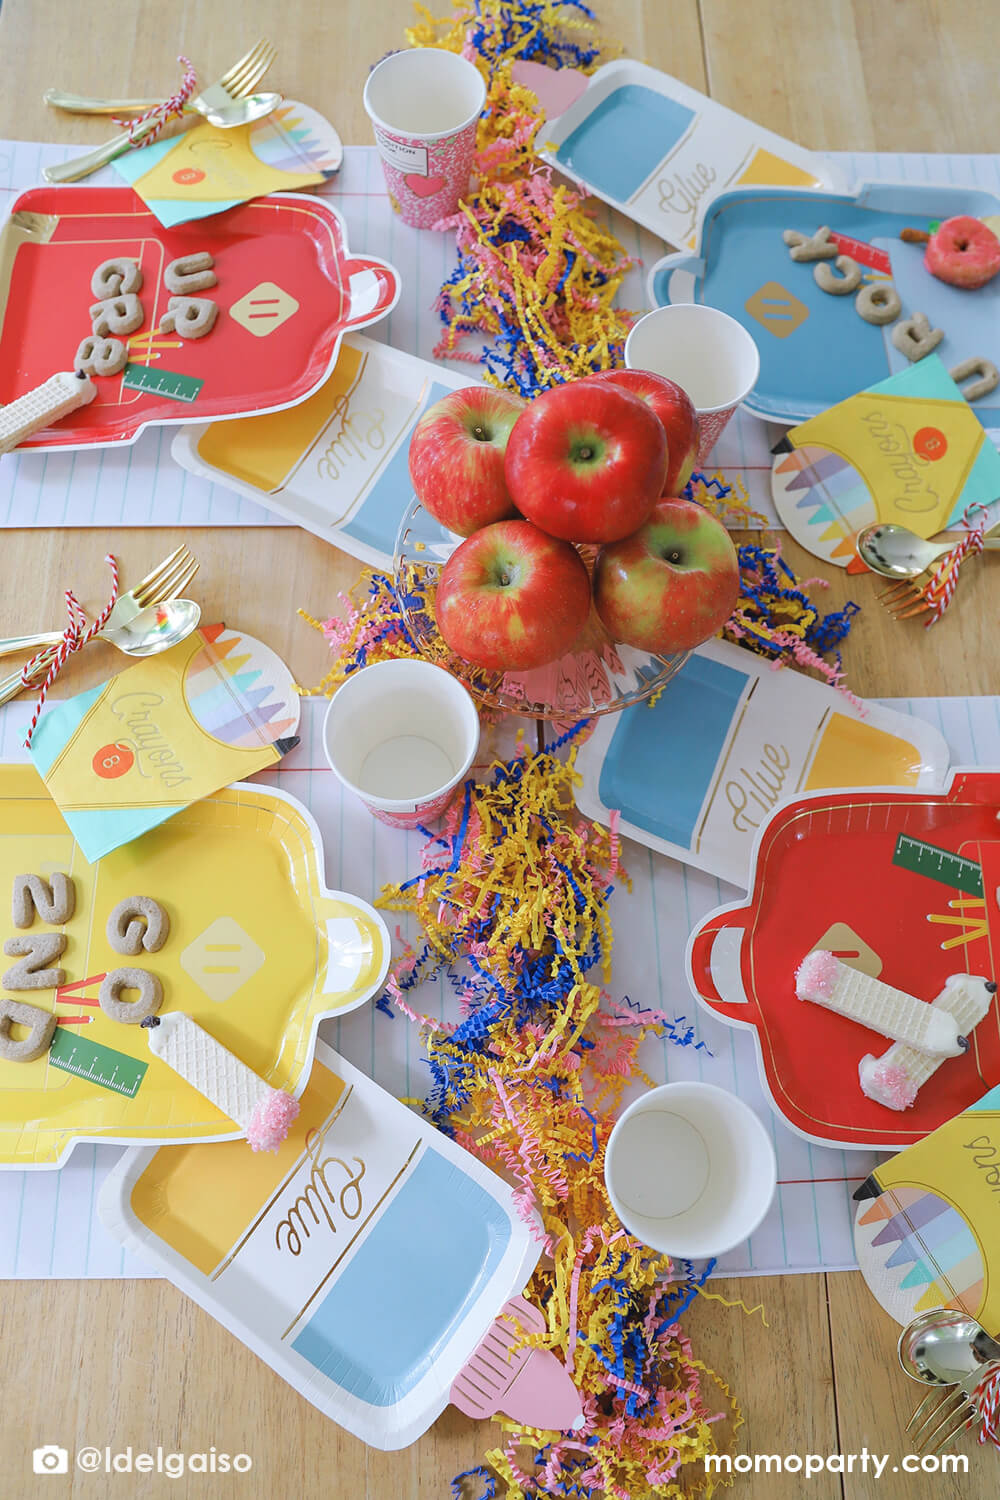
(424, 106)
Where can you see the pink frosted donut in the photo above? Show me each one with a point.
(963, 252)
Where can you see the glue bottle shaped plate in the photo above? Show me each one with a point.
(363, 1262)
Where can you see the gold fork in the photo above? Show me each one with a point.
(954, 1411)
(235, 84)
(908, 598)
(167, 581)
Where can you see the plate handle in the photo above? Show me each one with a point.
(373, 289)
(976, 786)
(672, 279)
(714, 966)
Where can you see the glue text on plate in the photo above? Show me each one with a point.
(761, 786)
(358, 436)
(907, 468)
(681, 192)
(154, 755)
(323, 1200)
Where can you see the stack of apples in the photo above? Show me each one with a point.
(536, 488)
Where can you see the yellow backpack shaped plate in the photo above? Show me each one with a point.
(258, 953)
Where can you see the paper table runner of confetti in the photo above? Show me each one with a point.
(48, 1226)
(140, 485)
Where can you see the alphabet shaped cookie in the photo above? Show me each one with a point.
(54, 901)
(39, 1038)
(878, 303)
(190, 273)
(848, 280)
(915, 337)
(810, 247)
(136, 923)
(36, 954)
(113, 277)
(131, 1013)
(116, 315)
(97, 356)
(191, 317)
(989, 377)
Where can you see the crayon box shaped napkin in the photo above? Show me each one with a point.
(124, 757)
(928, 1221)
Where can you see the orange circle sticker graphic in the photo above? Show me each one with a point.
(188, 176)
(112, 761)
(930, 443)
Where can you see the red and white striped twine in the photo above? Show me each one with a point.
(988, 1405)
(161, 113)
(941, 589)
(75, 637)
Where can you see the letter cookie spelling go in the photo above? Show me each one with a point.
(138, 923)
(131, 1013)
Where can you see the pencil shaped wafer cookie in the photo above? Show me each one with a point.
(824, 980)
(895, 1078)
(264, 1114)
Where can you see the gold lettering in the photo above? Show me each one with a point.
(319, 1198)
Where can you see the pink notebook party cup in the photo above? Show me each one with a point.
(705, 351)
(424, 105)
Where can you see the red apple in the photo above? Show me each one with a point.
(586, 461)
(673, 584)
(511, 597)
(675, 410)
(456, 457)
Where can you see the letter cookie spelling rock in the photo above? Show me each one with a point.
(989, 377)
(97, 356)
(838, 286)
(113, 277)
(35, 953)
(915, 337)
(39, 1039)
(54, 901)
(824, 980)
(116, 315)
(138, 923)
(264, 1114)
(802, 247)
(190, 273)
(134, 1013)
(191, 317)
(878, 303)
(895, 1078)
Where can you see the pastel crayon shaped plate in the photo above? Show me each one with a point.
(336, 463)
(815, 349)
(258, 952)
(363, 1262)
(288, 288)
(660, 151)
(900, 883)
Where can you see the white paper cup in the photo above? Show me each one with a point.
(707, 352)
(424, 105)
(690, 1170)
(401, 735)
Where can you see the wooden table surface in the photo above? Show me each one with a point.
(136, 1363)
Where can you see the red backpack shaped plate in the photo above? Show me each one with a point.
(902, 885)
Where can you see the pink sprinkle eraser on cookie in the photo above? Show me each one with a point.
(271, 1120)
(816, 973)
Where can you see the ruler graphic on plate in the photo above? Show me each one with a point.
(938, 864)
(100, 1064)
(161, 382)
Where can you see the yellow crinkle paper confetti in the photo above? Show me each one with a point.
(512, 905)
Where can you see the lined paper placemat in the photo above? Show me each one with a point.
(142, 486)
(47, 1221)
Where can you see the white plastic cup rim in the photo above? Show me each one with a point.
(741, 345)
(465, 73)
(426, 678)
(680, 1234)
